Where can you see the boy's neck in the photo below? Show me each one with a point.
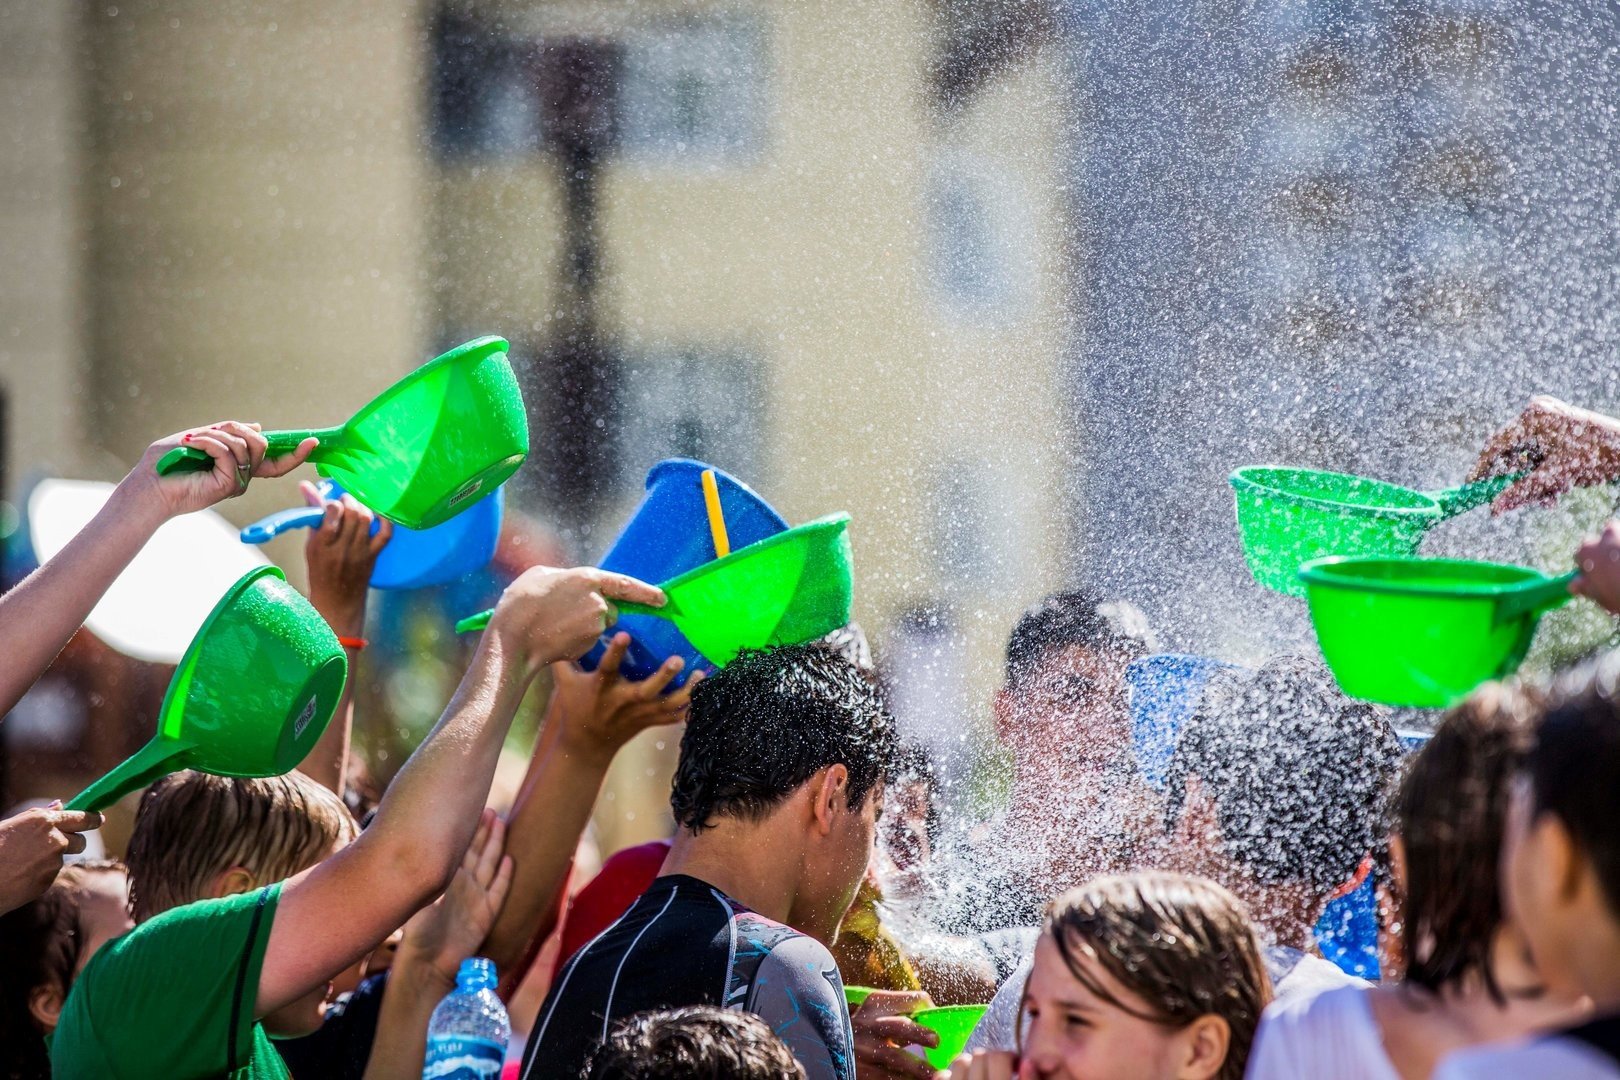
(745, 861)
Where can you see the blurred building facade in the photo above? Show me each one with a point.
(821, 245)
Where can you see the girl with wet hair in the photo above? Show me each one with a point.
(1150, 976)
(1466, 979)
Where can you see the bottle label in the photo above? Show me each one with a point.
(457, 1057)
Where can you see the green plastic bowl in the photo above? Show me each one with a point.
(1424, 632)
(953, 1024)
(1288, 517)
(423, 450)
(250, 697)
(854, 995)
(787, 589)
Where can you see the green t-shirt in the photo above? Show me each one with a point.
(173, 998)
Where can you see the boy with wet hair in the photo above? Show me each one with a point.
(1064, 712)
(776, 796)
(1277, 790)
(192, 989)
(699, 1042)
(1560, 876)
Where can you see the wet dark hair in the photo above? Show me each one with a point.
(1298, 772)
(700, 1042)
(1450, 812)
(769, 721)
(1065, 619)
(1574, 766)
(1182, 944)
(41, 944)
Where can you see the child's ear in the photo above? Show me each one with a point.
(233, 881)
(1561, 860)
(45, 1005)
(831, 793)
(1206, 1041)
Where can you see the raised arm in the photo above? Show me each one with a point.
(332, 914)
(39, 616)
(590, 717)
(340, 554)
(1557, 446)
(437, 939)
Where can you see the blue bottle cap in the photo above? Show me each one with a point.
(476, 973)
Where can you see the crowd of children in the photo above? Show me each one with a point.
(1117, 926)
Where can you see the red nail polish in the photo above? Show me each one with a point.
(185, 438)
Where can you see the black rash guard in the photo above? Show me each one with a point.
(687, 943)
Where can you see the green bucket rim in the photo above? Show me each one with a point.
(1320, 572)
(835, 523)
(1244, 480)
(172, 710)
(483, 346)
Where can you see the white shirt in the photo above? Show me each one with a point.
(1331, 1035)
(1566, 1059)
(1294, 974)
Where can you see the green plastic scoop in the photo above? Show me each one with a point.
(424, 449)
(954, 1024)
(1287, 517)
(1425, 632)
(787, 589)
(252, 694)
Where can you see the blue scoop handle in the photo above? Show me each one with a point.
(268, 528)
(297, 517)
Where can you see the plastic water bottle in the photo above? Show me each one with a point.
(468, 1033)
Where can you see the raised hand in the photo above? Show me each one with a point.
(1599, 563)
(340, 555)
(238, 452)
(599, 711)
(449, 930)
(548, 615)
(1558, 446)
(32, 846)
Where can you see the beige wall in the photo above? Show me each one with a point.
(257, 204)
(815, 258)
(41, 258)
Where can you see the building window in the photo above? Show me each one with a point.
(978, 238)
(698, 403)
(695, 90)
(485, 92)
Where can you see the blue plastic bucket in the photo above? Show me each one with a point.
(669, 535)
(413, 559)
(1164, 691)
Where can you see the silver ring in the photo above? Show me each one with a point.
(244, 473)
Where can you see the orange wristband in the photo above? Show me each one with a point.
(352, 642)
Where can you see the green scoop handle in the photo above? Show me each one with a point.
(1536, 598)
(184, 459)
(156, 759)
(1459, 500)
(624, 607)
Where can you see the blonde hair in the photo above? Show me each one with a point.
(192, 826)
